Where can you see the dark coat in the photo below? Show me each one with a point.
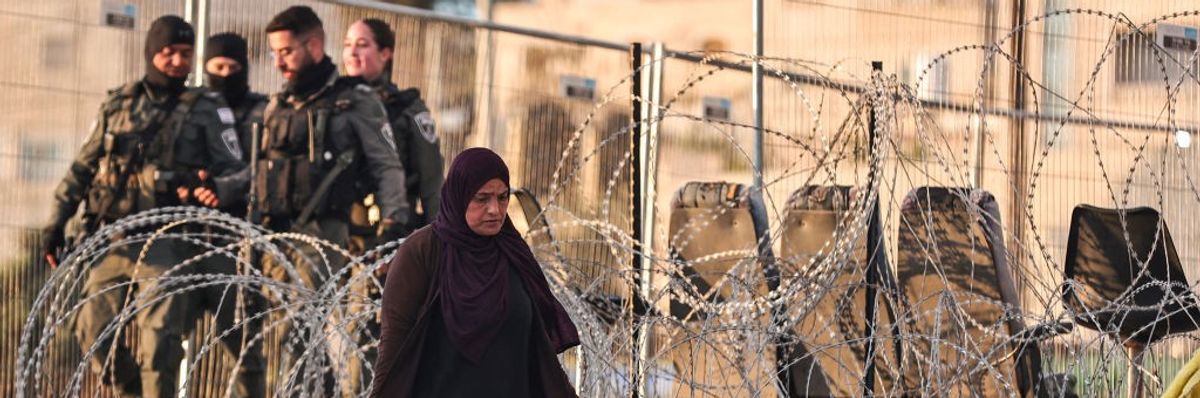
(407, 299)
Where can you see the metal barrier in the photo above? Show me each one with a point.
(506, 88)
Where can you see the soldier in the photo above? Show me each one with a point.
(367, 54)
(155, 143)
(325, 138)
(226, 72)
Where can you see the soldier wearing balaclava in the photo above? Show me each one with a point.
(227, 71)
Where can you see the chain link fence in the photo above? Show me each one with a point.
(1053, 90)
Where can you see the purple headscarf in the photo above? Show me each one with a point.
(474, 271)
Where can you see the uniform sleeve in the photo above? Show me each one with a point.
(230, 174)
(401, 135)
(369, 121)
(78, 180)
(426, 156)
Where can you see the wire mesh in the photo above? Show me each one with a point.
(1045, 105)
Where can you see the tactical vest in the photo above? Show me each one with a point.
(137, 164)
(297, 154)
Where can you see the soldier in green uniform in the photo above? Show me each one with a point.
(155, 143)
(226, 70)
(326, 140)
(367, 54)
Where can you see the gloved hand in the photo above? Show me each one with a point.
(53, 241)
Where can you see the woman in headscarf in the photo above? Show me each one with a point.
(468, 311)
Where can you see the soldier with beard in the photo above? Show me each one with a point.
(325, 138)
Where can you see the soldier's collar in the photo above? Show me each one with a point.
(380, 83)
(407, 95)
(386, 89)
(329, 83)
(155, 97)
(390, 93)
(131, 89)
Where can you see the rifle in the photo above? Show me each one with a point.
(252, 214)
(242, 308)
(343, 161)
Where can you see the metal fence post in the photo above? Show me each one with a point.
(495, 141)
(649, 188)
(873, 236)
(1019, 162)
(757, 94)
(646, 90)
(635, 145)
(201, 381)
(196, 13)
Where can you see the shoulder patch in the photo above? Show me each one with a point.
(389, 136)
(226, 115)
(424, 122)
(230, 138)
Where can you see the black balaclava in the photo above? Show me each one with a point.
(165, 31)
(229, 45)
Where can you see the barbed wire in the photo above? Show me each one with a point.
(962, 305)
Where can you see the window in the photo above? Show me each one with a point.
(1139, 59)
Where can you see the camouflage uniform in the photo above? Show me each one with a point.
(145, 145)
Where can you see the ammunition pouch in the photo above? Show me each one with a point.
(283, 185)
(118, 193)
(129, 179)
(296, 159)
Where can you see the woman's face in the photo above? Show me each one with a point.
(361, 55)
(488, 208)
